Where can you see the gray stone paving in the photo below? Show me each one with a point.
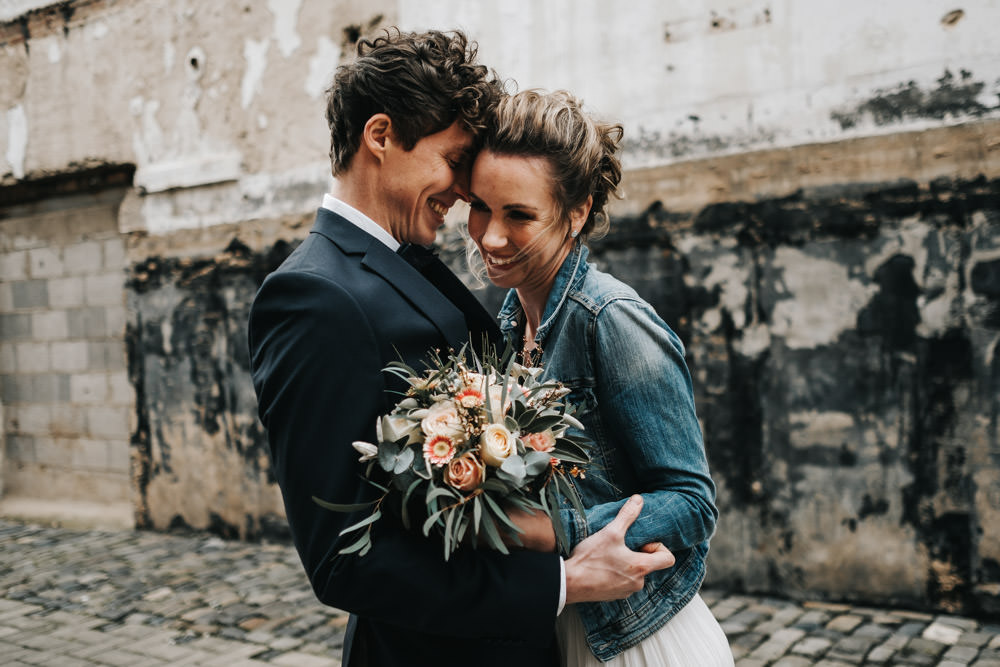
(75, 598)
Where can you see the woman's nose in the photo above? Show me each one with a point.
(493, 237)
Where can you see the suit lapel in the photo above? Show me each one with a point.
(377, 258)
(418, 291)
(481, 324)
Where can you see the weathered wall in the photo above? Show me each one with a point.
(701, 77)
(811, 200)
(201, 452)
(218, 111)
(68, 404)
(843, 348)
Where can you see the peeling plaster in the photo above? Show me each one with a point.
(247, 197)
(97, 30)
(286, 16)
(812, 427)
(169, 56)
(954, 97)
(730, 277)
(755, 340)
(910, 241)
(822, 302)
(321, 67)
(54, 52)
(188, 158)
(255, 54)
(147, 141)
(17, 139)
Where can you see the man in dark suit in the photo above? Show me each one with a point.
(403, 117)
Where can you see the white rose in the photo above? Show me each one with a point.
(496, 444)
(391, 428)
(367, 450)
(442, 419)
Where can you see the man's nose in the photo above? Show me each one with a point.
(461, 185)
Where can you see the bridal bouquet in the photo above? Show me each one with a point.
(469, 438)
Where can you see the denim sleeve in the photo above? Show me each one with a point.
(646, 403)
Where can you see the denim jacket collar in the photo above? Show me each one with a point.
(570, 274)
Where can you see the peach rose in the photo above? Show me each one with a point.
(496, 444)
(540, 442)
(466, 472)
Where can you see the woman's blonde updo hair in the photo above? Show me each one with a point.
(580, 150)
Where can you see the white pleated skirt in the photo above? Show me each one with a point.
(692, 638)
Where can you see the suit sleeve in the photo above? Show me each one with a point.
(317, 371)
(646, 403)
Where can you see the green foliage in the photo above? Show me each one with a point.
(473, 438)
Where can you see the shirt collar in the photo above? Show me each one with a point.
(360, 220)
(572, 270)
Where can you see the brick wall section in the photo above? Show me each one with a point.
(65, 390)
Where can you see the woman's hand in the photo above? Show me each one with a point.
(538, 535)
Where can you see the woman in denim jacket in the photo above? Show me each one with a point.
(538, 188)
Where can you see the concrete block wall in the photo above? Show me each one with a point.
(68, 403)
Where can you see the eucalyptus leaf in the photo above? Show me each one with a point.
(493, 539)
(364, 522)
(438, 492)
(358, 545)
(339, 507)
(403, 461)
(537, 462)
(404, 510)
(499, 513)
(496, 485)
(431, 520)
(513, 469)
(543, 422)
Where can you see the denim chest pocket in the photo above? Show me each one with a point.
(599, 482)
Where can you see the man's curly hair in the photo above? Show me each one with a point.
(423, 81)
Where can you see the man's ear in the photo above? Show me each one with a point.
(377, 131)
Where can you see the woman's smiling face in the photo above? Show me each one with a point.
(513, 220)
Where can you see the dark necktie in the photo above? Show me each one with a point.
(479, 322)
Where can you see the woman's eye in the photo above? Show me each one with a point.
(478, 206)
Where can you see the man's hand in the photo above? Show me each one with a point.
(602, 568)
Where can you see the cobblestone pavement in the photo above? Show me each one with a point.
(74, 598)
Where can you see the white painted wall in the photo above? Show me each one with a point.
(732, 75)
(220, 106)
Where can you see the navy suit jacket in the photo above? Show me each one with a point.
(322, 328)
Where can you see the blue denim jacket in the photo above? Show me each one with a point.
(626, 372)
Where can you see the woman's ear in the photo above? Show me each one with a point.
(377, 131)
(578, 216)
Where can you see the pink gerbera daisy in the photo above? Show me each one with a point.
(439, 449)
(469, 398)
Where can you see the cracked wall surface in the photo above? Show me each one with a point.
(843, 350)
